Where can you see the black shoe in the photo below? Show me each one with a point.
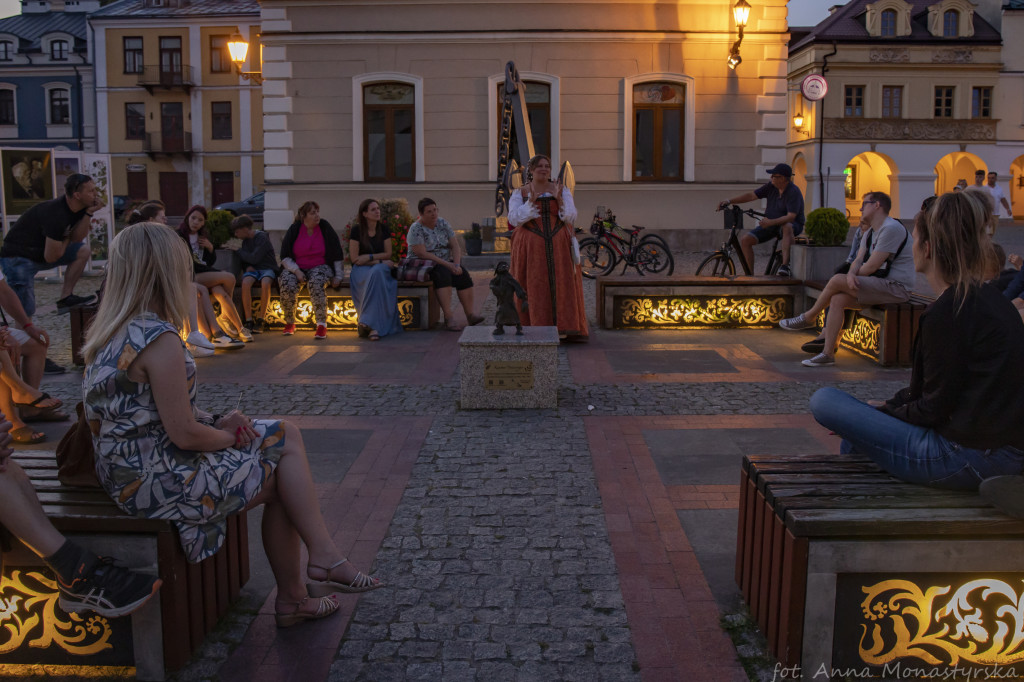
(255, 327)
(816, 346)
(98, 585)
(784, 271)
(68, 302)
(1005, 493)
(52, 367)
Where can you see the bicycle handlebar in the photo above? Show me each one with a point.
(747, 211)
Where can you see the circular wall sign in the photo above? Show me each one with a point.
(814, 87)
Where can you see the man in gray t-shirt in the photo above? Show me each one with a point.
(882, 272)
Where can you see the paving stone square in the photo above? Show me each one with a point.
(670, 361)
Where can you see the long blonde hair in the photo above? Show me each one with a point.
(955, 230)
(147, 264)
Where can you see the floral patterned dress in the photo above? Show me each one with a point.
(144, 472)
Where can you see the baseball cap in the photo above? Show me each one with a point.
(781, 169)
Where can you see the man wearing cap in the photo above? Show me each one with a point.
(784, 211)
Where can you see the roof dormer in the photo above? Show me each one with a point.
(888, 19)
(951, 19)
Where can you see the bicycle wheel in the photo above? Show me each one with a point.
(717, 264)
(596, 258)
(659, 260)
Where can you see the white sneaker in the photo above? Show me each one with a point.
(245, 335)
(198, 339)
(222, 340)
(795, 323)
(819, 360)
(200, 352)
(228, 326)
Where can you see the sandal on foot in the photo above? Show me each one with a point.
(41, 414)
(373, 336)
(325, 606)
(362, 330)
(360, 583)
(57, 403)
(26, 436)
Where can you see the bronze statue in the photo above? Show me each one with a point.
(505, 288)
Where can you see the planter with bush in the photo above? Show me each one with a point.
(826, 230)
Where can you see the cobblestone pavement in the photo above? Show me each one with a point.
(503, 550)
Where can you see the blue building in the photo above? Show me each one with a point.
(47, 87)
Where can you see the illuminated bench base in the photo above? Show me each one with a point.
(845, 567)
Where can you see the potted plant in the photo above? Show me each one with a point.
(218, 225)
(826, 230)
(474, 241)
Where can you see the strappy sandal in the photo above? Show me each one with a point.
(26, 436)
(373, 336)
(57, 403)
(325, 606)
(360, 583)
(33, 412)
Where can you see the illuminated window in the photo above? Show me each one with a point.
(389, 121)
(658, 133)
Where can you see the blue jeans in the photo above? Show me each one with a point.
(21, 274)
(912, 453)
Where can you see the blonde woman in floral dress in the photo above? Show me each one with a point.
(159, 456)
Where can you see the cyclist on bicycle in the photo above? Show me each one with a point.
(784, 211)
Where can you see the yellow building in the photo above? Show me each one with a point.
(178, 121)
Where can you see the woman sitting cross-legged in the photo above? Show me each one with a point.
(959, 421)
(310, 252)
(159, 456)
(374, 290)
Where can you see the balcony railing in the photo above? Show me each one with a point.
(160, 77)
(946, 130)
(160, 143)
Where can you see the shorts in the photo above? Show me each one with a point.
(442, 278)
(21, 274)
(259, 274)
(763, 234)
(877, 290)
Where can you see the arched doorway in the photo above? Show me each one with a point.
(870, 172)
(954, 167)
(1016, 195)
(800, 174)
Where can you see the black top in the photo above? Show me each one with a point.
(332, 245)
(377, 241)
(967, 369)
(202, 260)
(27, 238)
(790, 200)
(258, 252)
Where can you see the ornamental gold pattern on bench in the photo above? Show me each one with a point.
(341, 313)
(863, 338)
(698, 311)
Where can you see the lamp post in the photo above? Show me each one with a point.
(238, 48)
(740, 13)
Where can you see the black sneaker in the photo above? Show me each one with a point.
(68, 302)
(254, 326)
(107, 589)
(784, 271)
(816, 346)
(52, 367)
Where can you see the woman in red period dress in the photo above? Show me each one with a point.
(543, 259)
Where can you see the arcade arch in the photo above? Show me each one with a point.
(954, 167)
(800, 174)
(1016, 195)
(870, 172)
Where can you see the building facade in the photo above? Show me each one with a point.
(921, 94)
(46, 76)
(399, 98)
(174, 115)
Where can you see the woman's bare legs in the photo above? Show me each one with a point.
(7, 406)
(19, 389)
(227, 306)
(208, 318)
(22, 513)
(292, 512)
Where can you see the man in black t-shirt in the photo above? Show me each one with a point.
(49, 234)
(784, 208)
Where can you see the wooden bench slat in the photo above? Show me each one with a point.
(842, 523)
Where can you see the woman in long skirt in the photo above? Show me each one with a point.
(374, 290)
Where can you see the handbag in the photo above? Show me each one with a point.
(411, 269)
(76, 457)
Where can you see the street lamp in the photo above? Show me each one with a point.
(238, 48)
(740, 13)
(798, 120)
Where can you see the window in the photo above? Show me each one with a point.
(220, 120)
(951, 24)
(220, 60)
(892, 101)
(134, 121)
(388, 131)
(170, 59)
(538, 111)
(59, 50)
(943, 101)
(658, 131)
(133, 55)
(6, 51)
(981, 103)
(888, 23)
(7, 115)
(854, 101)
(60, 109)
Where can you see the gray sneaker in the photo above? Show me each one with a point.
(795, 324)
(819, 360)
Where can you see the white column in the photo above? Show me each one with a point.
(245, 141)
(195, 60)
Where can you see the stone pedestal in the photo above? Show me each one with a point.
(508, 371)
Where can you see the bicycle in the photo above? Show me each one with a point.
(612, 244)
(718, 263)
